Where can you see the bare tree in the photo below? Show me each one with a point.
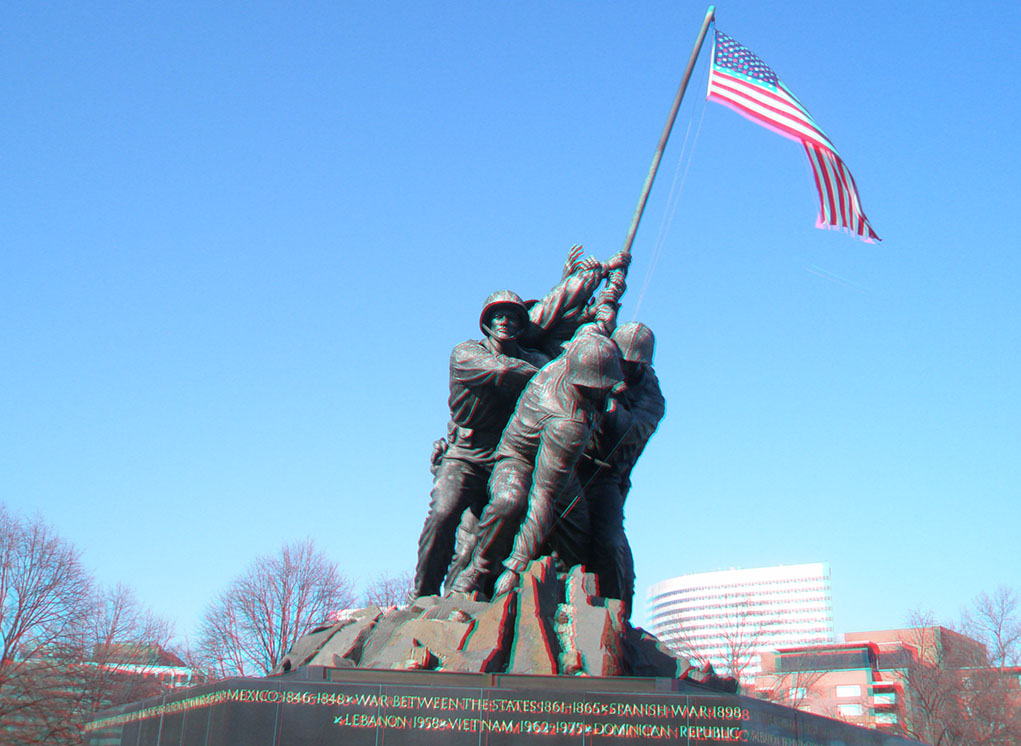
(738, 632)
(992, 698)
(792, 688)
(995, 621)
(127, 641)
(934, 685)
(62, 640)
(256, 620)
(45, 596)
(993, 707)
(963, 694)
(388, 590)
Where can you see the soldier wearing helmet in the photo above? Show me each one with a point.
(636, 342)
(486, 378)
(536, 457)
(632, 416)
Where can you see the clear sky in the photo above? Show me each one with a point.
(238, 241)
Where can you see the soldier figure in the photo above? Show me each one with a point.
(632, 416)
(485, 380)
(536, 457)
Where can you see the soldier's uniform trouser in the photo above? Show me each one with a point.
(460, 484)
(464, 545)
(610, 558)
(532, 476)
(568, 542)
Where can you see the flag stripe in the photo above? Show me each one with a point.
(740, 80)
(838, 186)
(839, 203)
(853, 209)
(756, 116)
(810, 152)
(827, 179)
(768, 106)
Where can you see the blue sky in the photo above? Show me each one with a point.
(238, 242)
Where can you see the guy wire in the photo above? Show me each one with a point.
(672, 201)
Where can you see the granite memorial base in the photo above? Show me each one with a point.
(317, 705)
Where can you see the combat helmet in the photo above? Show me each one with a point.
(507, 299)
(593, 361)
(636, 342)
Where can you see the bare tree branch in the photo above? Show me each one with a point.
(388, 590)
(262, 613)
(958, 698)
(64, 644)
(791, 688)
(129, 644)
(995, 621)
(739, 631)
(45, 596)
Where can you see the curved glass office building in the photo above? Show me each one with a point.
(726, 617)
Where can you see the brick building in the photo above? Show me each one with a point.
(908, 681)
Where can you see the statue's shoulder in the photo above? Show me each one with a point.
(470, 348)
(653, 379)
(652, 397)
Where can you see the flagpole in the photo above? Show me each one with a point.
(633, 229)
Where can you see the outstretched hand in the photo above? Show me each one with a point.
(573, 256)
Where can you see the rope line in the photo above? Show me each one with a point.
(673, 200)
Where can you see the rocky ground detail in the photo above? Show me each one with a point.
(550, 624)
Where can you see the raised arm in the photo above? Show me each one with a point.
(475, 366)
(555, 317)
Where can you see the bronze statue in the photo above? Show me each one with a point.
(632, 416)
(536, 457)
(486, 378)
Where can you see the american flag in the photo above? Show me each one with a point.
(742, 81)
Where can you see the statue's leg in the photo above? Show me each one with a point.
(627, 559)
(570, 538)
(467, 537)
(561, 443)
(627, 576)
(458, 484)
(508, 495)
(606, 513)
